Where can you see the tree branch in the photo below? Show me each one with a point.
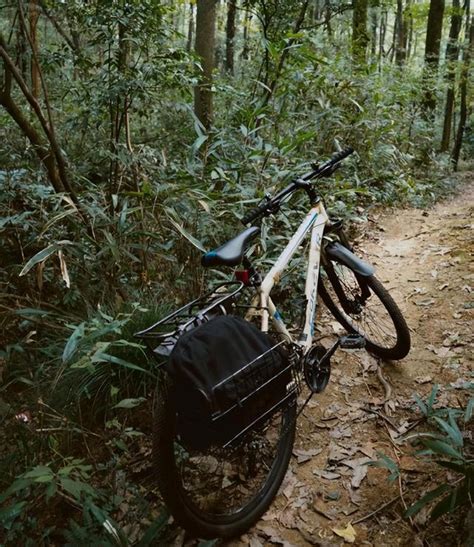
(49, 129)
(57, 26)
(285, 53)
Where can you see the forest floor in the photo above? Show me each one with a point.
(424, 258)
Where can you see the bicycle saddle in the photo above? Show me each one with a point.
(232, 252)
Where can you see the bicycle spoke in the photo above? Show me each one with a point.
(370, 318)
(221, 481)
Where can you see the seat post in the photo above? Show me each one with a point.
(254, 274)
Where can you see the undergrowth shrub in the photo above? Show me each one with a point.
(448, 444)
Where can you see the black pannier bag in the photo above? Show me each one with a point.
(228, 376)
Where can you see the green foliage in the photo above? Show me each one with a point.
(427, 408)
(449, 446)
(69, 481)
(152, 190)
(448, 449)
(385, 462)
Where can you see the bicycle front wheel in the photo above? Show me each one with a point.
(220, 492)
(362, 305)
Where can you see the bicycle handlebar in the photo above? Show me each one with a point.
(257, 212)
(271, 205)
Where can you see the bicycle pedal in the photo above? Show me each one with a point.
(352, 341)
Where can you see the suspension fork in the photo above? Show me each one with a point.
(346, 303)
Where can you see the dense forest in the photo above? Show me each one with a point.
(134, 135)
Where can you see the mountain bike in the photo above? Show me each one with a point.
(222, 490)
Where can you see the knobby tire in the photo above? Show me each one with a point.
(170, 474)
(401, 334)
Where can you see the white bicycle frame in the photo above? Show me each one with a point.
(263, 305)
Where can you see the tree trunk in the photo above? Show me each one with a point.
(281, 62)
(205, 45)
(360, 38)
(434, 30)
(383, 29)
(118, 110)
(468, 52)
(189, 42)
(452, 52)
(54, 155)
(230, 36)
(33, 20)
(327, 17)
(373, 35)
(245, 49)
(409, 32)
(401, 36)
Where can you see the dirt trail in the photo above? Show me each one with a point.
(425, 259)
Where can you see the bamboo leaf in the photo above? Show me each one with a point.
(430, 496)
(459, 468)
(431, 399)
(469, 410)
(64, 272)
(453, 433)
(187, 235)
(441, 447)
(72, 343)
(458, 496)
(153, 530)
(130, 403)
(99, 356)
(43, 255)
(421, 404)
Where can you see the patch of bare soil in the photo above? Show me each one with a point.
(330, 495)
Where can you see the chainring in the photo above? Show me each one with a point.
(316, 372)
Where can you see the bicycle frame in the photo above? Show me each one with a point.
(262, 304)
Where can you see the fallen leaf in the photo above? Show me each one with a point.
(460, 383)
(254, 541)
(368, 362)
(355, 495)
(440, 352)
(63, 266)
(423, 379)
(289, 485)
(319, 508)
(340, 432)
(337, 453)
(288, 518)
(369, 448)
(360, 473)
(326, 474)
(356, 462)
(271, 533)
(348, 533)
(303, 456)
(453, 340)
(426, 302)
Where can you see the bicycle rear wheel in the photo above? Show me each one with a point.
(220, 492)
(362, 305)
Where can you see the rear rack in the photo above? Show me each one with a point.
(162, 336)
(276, 387)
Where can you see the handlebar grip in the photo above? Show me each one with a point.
(341, 155)
(254, 214)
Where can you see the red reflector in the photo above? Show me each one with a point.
(243, 275)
